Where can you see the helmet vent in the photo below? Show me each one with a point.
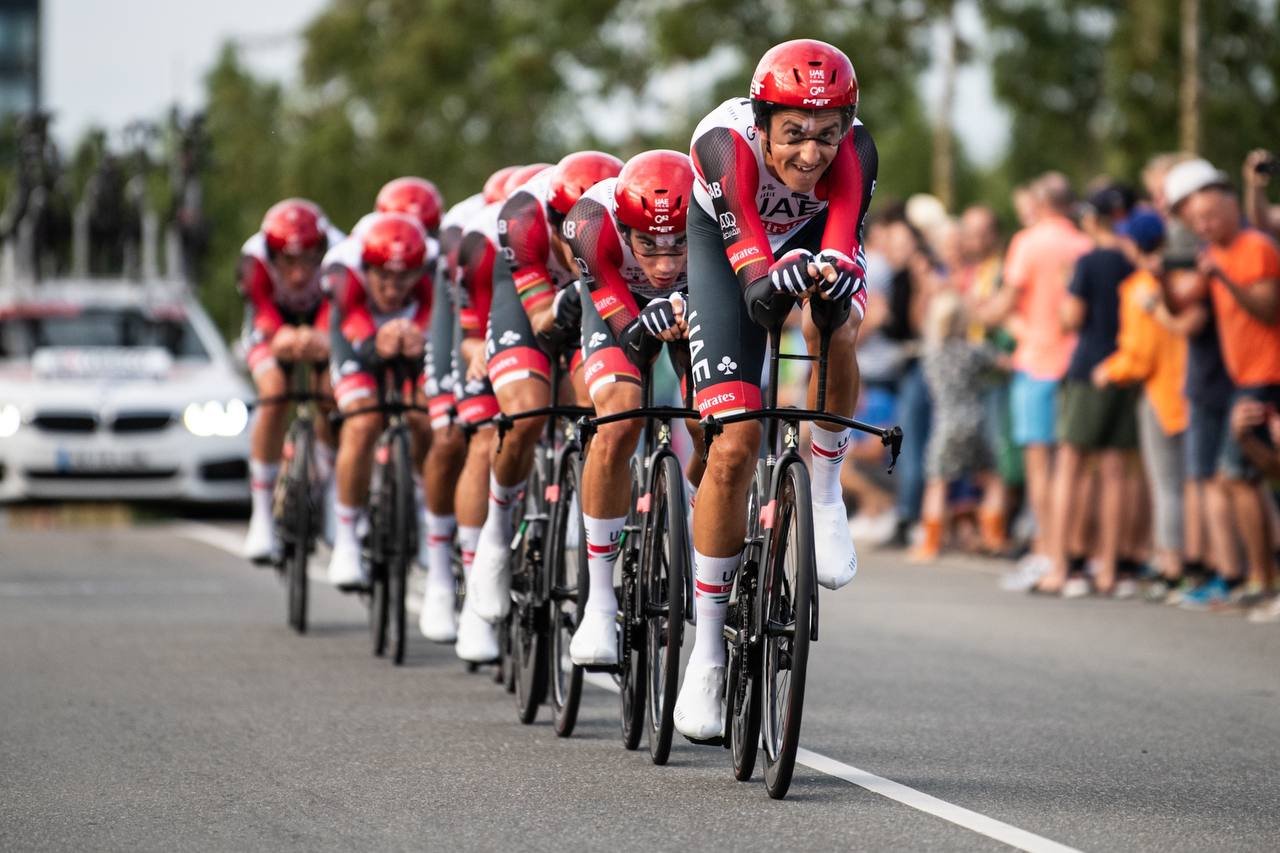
(796, 71)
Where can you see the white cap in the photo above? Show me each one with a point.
(1186, 179)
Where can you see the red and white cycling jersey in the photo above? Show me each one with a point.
(756, 212)
(458, 215)
(477, 251)
(264, 289)
(524, 235)
(609, 268)
(353, 311)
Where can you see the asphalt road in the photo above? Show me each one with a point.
(151, 698)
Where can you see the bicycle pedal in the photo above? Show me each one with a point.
(718, 740)
(355, 588)
(608, 668)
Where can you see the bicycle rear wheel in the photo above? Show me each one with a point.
(742, 690)
(299, 520)
(528, 605)
(665, 562)
(403, 545)
(567, 591)
(786, 608)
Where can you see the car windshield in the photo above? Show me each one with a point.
(23, 333)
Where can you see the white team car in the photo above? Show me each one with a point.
(118, 390)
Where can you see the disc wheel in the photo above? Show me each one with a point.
(665, 562)
(787, 607)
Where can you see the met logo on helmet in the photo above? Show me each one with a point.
(817, 102)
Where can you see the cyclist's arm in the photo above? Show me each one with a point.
(850, 182)
(475, 283)
(594, 240)
(728, 168)
(522, 231)
(261, 312)
(350, 317)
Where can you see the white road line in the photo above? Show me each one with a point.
(960, 816)
(990, 827)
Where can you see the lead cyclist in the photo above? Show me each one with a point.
(784, 180)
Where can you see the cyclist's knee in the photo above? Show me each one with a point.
(525, 432)
(734, 453)
(361, 431)
(616, 442)
(448, 441)
(270, 382)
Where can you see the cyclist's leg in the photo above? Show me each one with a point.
(518, 371)
(613, 383)
(353, 389)
(727, 350)
(678, 353)
(477, 640)
(266, 442)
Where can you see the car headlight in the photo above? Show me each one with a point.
(216, 418)
(10, 419)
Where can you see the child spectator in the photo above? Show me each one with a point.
(954, 370)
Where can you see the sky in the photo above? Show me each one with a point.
(110, 61)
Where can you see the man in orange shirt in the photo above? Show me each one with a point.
(1244, 267)
(1038, 267)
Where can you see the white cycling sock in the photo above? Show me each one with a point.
(603, 535)
(345, 531)
(502, 503)
(829, 449)
(468, 539)
(439, 532)
(713, 581)
(262, 484)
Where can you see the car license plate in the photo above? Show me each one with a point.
(100, 460)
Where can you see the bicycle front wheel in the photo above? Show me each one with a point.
(787, 607)
(528, 606)
(662, 580)
(404, 545)
(299, 520)
(567, 572)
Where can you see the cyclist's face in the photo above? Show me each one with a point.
(389, 289)
(801, 144)
(297, 271)
(661, 258)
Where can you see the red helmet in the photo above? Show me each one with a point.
(294, 226)
(523, 174)
(417, 197)
(805, 74)
(494, 188)
(577, 173)
(653, 191)
(394, 241)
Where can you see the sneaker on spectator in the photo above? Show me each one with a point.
(1158, 591)
(1212, 592)
(1265, 613)
(1027, 573)
(1076, 587)
(876, 529)
(1247, 596)
(1125, 588)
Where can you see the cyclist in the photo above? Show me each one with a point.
(628, 236)
(380, 303)
(448, 449)
(286, 319)
(784, 180)
(476, 405)
(529, 288)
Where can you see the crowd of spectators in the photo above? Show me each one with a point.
(1098, 395)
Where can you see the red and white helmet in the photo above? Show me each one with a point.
(495, 186)
(653, 191)
(523, 174)
(416, 197)
(295, 226)
(577, 173)
(394, 242)
(804, 74)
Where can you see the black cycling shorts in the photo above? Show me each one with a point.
(607, 363)
(438, 366)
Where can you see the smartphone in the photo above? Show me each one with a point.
(1269, 166)
(1182, 263)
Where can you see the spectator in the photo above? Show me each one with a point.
(1256, 426)
(1025, 206)
(1095, 422)
(1209, 541)
(979, 281)
(954, 370)
(1037, 267)
(1243, 266)
(1259, 167)
(1148, 351)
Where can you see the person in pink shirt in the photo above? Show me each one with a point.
(1037, 270)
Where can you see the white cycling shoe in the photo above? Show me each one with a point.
(477, 639)
(489, 582)
(436, 620)
(260, 545)
(595, 642)
(699, 714)
(346, 569)
(837, 562)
